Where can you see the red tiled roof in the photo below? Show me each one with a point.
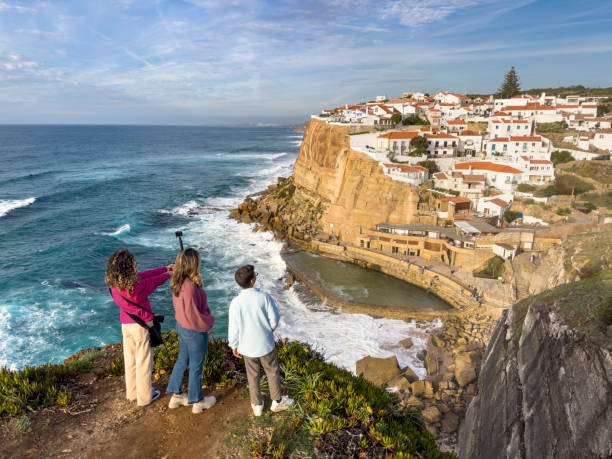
(529, 106)
(487, 166)
(440, 176)
(498, 202)
(540, 161)
(440, 136)
(472, 133)
(473, 178)
(500, 114)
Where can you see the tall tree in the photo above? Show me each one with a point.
(511, 86)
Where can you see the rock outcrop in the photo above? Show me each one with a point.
(333, 189)
(545, 386)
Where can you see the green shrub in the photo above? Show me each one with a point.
(525, 188)
(565, 184)
(492, 269)
(430, 165)
(559, 157)
(511, 215)
(564, 211)
(557, 126)
(414, 119)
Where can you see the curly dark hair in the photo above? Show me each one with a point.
(121, 271)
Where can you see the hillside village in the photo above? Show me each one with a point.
(493, 175)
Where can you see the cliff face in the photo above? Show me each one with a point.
(545, 386)
(351, 185)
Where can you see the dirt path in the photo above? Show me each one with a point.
(100, 422)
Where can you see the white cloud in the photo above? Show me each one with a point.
(414, 13)
(17, 8)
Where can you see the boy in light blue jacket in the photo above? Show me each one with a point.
(253, 317)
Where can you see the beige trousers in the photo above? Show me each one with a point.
(253, 371)
(138, 358)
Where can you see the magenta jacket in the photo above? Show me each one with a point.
(191, 308)
(149, 281)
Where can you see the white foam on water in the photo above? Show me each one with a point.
(6, 205)
(255, 155)
(342, 338)
(122, 229)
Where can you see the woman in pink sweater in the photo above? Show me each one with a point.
(126, 283)
(193, 321)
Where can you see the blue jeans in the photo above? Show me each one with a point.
(192, 351)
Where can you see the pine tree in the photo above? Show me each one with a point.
(511, 86)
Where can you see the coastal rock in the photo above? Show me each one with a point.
(407, 343)
(400, 383)
(465, 373)
(431, 415)
(378, 370)
(545, 386)
(450, 422)
(409, 374)
(431, 364)
(418, 388)
(414, 402)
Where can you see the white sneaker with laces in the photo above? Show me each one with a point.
(284, 404)
(175, 402)
(204, 404)
(257, 409)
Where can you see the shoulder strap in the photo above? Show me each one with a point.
(135, 318)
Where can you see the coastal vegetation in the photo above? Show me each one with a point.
(560, 157)
(565, 184)
(492, 269)
(335, 414)
(510, 86)
(414, 120)
(599, 171)
(557, 126)
(430, 165)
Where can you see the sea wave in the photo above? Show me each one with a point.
(227, 244)
(122, 229)
(255, 155)
(6, 205)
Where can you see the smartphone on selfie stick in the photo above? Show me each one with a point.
(179, 234)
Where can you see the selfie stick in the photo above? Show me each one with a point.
(179, 234)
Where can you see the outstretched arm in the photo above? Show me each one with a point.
(272, 312)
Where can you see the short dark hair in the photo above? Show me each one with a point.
(244, 275)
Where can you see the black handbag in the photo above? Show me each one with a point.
(155, 336)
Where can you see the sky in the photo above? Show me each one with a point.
(203, 62)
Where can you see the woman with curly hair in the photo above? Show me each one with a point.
(193, 321)
(128, 286)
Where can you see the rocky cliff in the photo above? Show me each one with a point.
(333, 189)
(545, 386)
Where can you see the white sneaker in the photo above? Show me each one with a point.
(204, 404)
(175, 402)
(285, 403)
(257, 409)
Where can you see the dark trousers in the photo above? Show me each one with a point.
(253, 371)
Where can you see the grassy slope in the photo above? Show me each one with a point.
(336, 413)
(585, 305)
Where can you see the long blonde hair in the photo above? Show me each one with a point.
(186, 266)
(121, 271)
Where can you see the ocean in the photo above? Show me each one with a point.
(72, 195)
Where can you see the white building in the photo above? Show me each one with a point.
(506, 251)
(451, 98)
(536, 171)
(470, 186)
(539, 113)
(534, 147)
(492, 207)
(582, 122)
(603, 139)
(470, 144)
(508, 127)
(442, 145)
(501, 176)
(414, 175)
(456, 125)
(397, 141)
